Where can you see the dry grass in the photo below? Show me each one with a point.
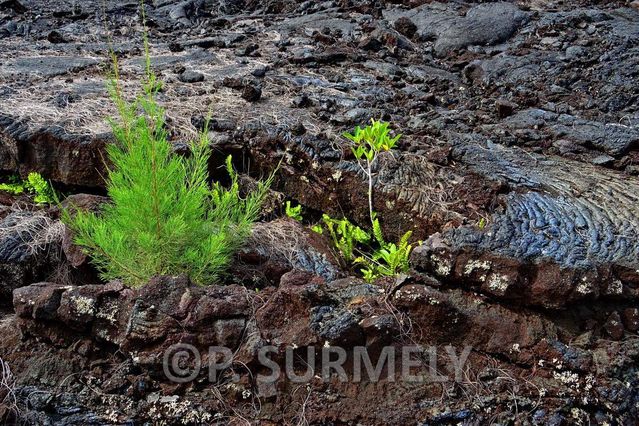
(82, 117)
(519, 390)
(300, 418)
(418, 182)
(279, 240)
(36, 229)
(89, 105)
(8, 397)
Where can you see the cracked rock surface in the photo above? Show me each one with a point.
(518, 168)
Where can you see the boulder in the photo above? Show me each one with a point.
(484, 24)
(29, 249)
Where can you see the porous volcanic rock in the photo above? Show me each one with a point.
(517, 168)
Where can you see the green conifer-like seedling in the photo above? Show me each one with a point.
(164, 218)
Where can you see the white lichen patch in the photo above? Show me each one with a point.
(476, 264)
(585, 286)
(498, 283)
(173, 411)
(480, 265)
(84, 305)
(432, 301)
(567, 378)
(289, 158)
(579, 416)
(117, 405)
(615, 287)
(108, 312)
(409, 295)
(443, 267)
(590, 382)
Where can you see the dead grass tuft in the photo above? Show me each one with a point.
(279, 240)
(37, 230)
(8, 399)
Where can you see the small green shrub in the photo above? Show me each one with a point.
(35, 185)
(368, 143)
(13, 187)
(293, 212)
(388, 260)
(377, 257)
(345, 236)
(164, 218)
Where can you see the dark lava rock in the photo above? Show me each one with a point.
(250, 50)
(505, 108)
(55, 37)
(29, 242)
(484, 24)
(337, 327)
(517, 285)
(301, 101)
(405, 27)
(259, 72)
(298, 129)
(53, 152)
(354, 116)
(175, 47)
(614, 326)
(48, 66)
(603, 160)
(13, 5)
(63, 99)
(232, 83)
(566, 237)
(630, 317)
(251, 92)
(38, 301)
(611, 138)
(190, 76)
(369, 43)
(380, 330)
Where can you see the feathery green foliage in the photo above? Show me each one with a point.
(43, 192)
(164, 218)
(35, 184)
(13, 187)
(376, 257)
(386, 261)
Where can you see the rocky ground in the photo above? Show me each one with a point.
(518, 167)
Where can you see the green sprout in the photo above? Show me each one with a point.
(293, 212)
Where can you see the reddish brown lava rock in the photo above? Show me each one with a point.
(614, 326)
(630, 318)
